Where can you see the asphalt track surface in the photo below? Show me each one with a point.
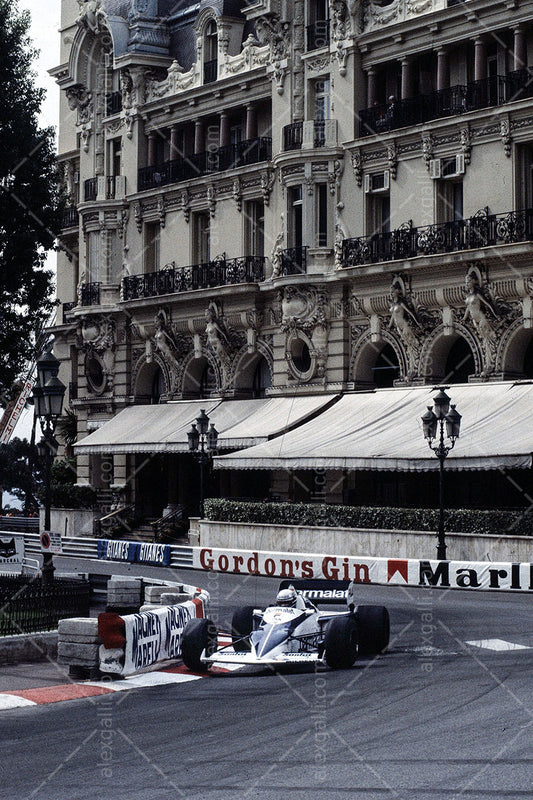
(446, 713)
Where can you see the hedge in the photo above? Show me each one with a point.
(512, 522)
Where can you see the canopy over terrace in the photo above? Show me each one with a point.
(382, 430)
(163, 428)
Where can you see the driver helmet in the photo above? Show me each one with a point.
(287, 597)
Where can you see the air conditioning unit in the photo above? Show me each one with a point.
(450, 167)
(376, 182)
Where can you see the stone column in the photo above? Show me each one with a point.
(443, 77)
(520, 49)
(151, 149)
(251, 122)
(174, 151)
(199, 146)
(371, 87)
(224, 137)
(480, 60)
(407, 78)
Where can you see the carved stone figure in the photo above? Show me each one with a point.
(79, 98)
(277, 250)
(92, 15)
(477, 304)
(164, 339)
(403, 318)
(217, 338)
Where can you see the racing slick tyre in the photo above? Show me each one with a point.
(198, 635)
(242, 625)
(374, 629)
(340, 642)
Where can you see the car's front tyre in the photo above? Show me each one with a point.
(341, 642)
(198, 635)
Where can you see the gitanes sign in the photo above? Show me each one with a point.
(403, 572)
(149, 553)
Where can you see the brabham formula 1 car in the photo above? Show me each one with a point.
(293, 631)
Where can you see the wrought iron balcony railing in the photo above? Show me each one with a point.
(293, 136)
(318, 34)
(90, 189)
(293, 261)
(172, 279)
(70, 217)
(492, 91)
(240, 154)
(90, 294)
(481, 230)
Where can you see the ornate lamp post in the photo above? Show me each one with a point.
(203, 441)
(432, 420)
(48, 394)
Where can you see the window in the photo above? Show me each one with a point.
(114, 156)
(322, 99)
(255, 228)
(378, 213)
(93, 256)
(318, 24)
(295, 216)
(449, 201)
(525, 177)
(262, 379)
(152, 246)
(202, 238)
(211, 52)
(321, 221)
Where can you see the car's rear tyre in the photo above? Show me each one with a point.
(340, 642)
(374, 629)
(242, 625)
(198, 635)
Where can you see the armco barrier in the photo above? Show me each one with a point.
(481, 575)
(81, 547)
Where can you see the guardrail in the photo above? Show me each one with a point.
(81, 547)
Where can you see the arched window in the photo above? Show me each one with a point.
(210, 52)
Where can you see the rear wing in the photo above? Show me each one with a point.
(320, 592)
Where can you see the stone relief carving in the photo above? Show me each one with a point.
(80, 99)
(277, 250)
(428, 147)
(91, 16)
(165, 340)
(272, 31)
(96, 337)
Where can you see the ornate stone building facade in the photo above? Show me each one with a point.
(290, 197)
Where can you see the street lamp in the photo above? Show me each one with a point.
(431, 420)
(203, 441)
(48, 394)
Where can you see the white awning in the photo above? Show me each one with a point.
(382, 430)
(163, 428)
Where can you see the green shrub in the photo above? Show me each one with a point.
(518, 523)
(65, 495)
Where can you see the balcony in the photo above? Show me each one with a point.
(318, 34)
(70, 217)
(481, 230)
(241, 154)
(172, 280)
(104, 187)
(293, 261)
(90, 189)
(310, 134)
(90, 294)
(493, 91)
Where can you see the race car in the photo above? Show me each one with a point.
(293, 631)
